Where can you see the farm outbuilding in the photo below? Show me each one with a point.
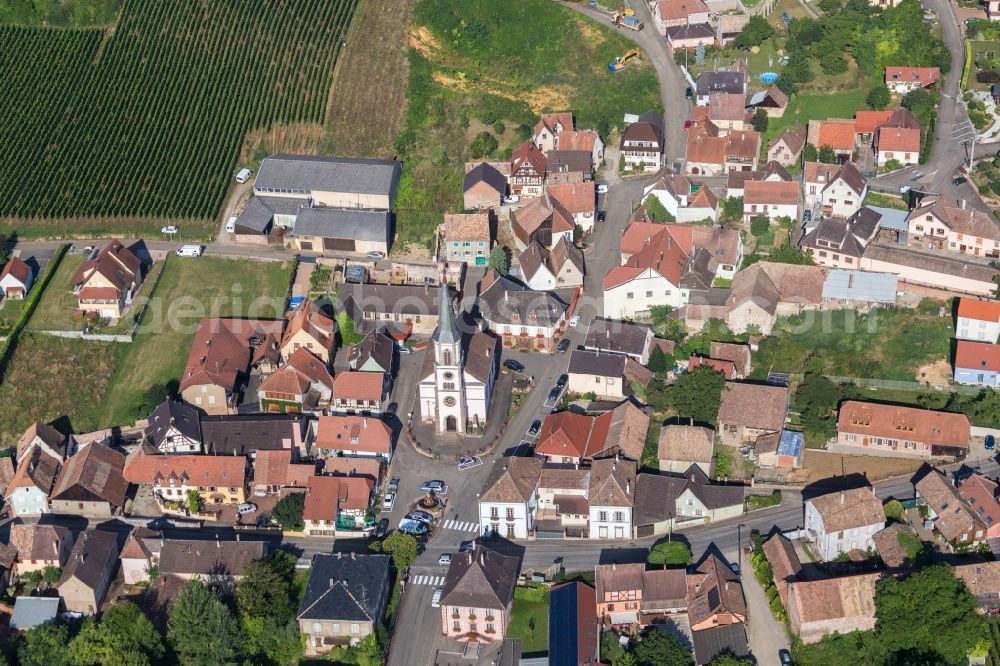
(332, 182)
(342, 230)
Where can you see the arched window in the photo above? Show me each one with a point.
(446, 357)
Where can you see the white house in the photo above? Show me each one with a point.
(682, 201)
(509, 501)
(939, 225)
(650, 277)
(542, 270)
(843, 521)
(773, 199)
(611, 497)
(978, 320)
(175, 427)
(16, 279)
(837, 189)
(521, 317)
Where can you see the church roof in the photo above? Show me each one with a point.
(447, 331)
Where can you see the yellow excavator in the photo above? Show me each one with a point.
(618, 64)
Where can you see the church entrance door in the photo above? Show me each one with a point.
(450, 424)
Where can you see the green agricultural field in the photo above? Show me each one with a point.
(98, 384)
(188, 291)
(145, 121)
(486, 66)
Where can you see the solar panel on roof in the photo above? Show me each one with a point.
(563, 627)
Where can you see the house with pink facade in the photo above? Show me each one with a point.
(478, 595)
(940, 224)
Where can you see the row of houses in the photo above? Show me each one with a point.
(977, 354)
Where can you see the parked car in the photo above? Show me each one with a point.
(807, 215)
(466, 546)
(432, 486)
(785, 18)
(563, 346)
(736, 568)
(687, 124)
(420, 516)
(562, 381)
(786, 657)
(436, 597)
(393, 484)
(189, 251)
(602, 215)
(959, 180)
(511, 364)
(404, 350)
(574, 320)
(554, 394)
(602, 188)
(990, 442)
(468, 462)
(688, 92)
(245, 508)
(388, 501)
(381, 528)
(413, 527)
(169, 229)
(376, 255)
(445, 559)
(534, 428)
(231, 225)
(512, 199)
(243, 175)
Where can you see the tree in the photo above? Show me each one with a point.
(288, 511)
(878, 98)
(732, 209)
(759, 225)
(760, 120)
(484, 144)
(264, 591)
(816, 399)
(499, 260)
(402, 548)
(201, 629)
(669, 554)
(657, 361)
(122, 629)
(194, 501)
(931, 613)
(657, 648)
(754, 33)
(45, 645)
(729, 659)
(827, 155)
(809, 153)
(832, 62)
(268, 641)
(894, 511)
(697, 394)
(918, 101)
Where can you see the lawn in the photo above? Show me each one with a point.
(485, 66)
(49, 378)
(189, 291)
(890, 343)
(885, 201)
(808, 106)
(10, 310)
(985, 57)
(55, 309)
(529, 620)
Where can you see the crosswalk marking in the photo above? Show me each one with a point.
(436, 581)
(461, 526)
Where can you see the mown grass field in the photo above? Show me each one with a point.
(481, 65)
(97, 384)
(145, 121)
(529, 620)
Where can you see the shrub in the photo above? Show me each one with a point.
(484, 144)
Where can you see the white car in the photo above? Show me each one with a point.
(245, 508)
(602, 188)
(170, 229)
(468, 462)
(436, 598)
(574, 320)
(376, 255)
(388, 501)
(512, 199)
(243, 176)
(444, 560)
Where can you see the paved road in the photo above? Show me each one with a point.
(671, 79)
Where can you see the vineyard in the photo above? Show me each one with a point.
(147, 120)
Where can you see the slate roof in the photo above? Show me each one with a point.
(586, 362)
(345, 588)
(308, 173)
(377, 345)
(208, 557)
(387, 298)
(182, 416)
(354, 223)
(501, 299)
(727, 638)
(480, 578)
(486, 174)
(93, 475)
(656, 494)
(242, 434)
(91, 552)
(617, 336)
(720, 82)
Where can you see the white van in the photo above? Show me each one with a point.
(231, 225)
(436, 598)
(243, 176)
(189, 251)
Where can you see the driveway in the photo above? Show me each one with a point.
(765, 635)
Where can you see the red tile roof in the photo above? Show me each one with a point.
(358, 385)
(727, 368)
(353, 433)
(980, 494)
(910, 423)
(971, 308)
(977, 356)
(228, 471)
(223, 348)
(16, 268)
(326, 495)
(663, 254)
(836, 133)
(900, 139)
(771, 192)
(866, 122)
(925, 76)
(527, 152)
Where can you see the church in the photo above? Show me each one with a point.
(457, 375)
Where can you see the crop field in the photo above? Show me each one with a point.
(146, 120)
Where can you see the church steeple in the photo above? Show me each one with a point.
(447, 332)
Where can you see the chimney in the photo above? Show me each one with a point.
(331, 582)
(963, 204)
(628, 487)
(842, 498)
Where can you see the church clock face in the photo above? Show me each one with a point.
(449, 401)
(449, 375)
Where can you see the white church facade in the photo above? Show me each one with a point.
(456, 379)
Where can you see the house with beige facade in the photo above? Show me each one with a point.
(89, 572)
(478, 595)
(629, 595)
(842, 521)
(817, 608)
(786, 149)
(38, 546)
(666, 501)
(466, 238)
(108, 280)
(748, 411)
(337, 505)
(872, 428)
(939, 224)
(681, 446)
(218, 479)
(312, 329)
